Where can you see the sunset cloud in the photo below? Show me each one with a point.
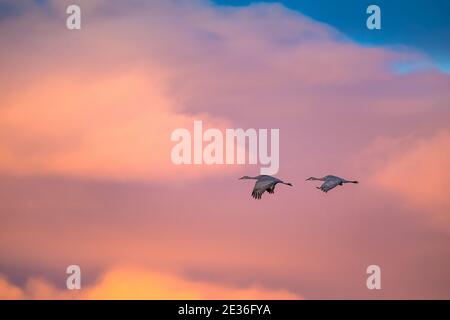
(101, 103)
(139, 283)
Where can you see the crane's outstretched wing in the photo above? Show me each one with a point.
(328, 185)
(261, 186)
(257, 193)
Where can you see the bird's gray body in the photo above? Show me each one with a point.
(331, 182)
(264, 183)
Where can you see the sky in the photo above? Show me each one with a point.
(86, 176)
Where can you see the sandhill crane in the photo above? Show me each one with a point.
(330, 182)
(264, 183)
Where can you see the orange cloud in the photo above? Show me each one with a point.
(139, 283)
(9, 291)
(117, 127)
(88, 115)
(34, 288)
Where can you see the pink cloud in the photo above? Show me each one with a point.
(418, 174)
(106, 108)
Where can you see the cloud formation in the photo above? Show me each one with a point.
(139, 283)
(86, 176)
(102, 102)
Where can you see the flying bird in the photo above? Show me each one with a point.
(330, 182)
(264, 183)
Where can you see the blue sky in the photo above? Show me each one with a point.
(424, 25)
